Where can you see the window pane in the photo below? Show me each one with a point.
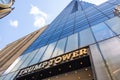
(111, 52)
(38, 55)
(48, 52)
(60, 47)
(86, 37)
(9, 76)
(13, 65)
(75, 7)
(4, 1)
(14, 75)
(20, 62)
(72, 42)
(99, 65)
(114, 24)
(2, 77)
(28, 59)
(101, 32)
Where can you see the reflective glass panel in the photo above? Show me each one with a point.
(101, 32)
(9, 76)
(111, 52)
(4, 1)
(48, 52)
(2, 77)
(99, 65)
(60, 47)
(86, 37)
(114, 24)
(28, 59)
(72, 42)
(13, 65)
(14, 75)
(38, 55)
(20, 62)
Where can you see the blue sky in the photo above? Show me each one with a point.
(27, 17)
(30, 15)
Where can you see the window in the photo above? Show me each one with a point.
(38, 55)
(8, 77)
(86, 37)
(13, 76)
(72, 42)
(20, 62)
(75, 7)
(4, 1)
(60, 47)
(13, 65)
(98, 62)
(2, 77)
(111, 52)
(28, 59)
(114, 24)
(101, 32)
(48, 51)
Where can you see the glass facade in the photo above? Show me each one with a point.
(4, 1)
(80, 24)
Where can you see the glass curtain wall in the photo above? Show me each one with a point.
(102, 36)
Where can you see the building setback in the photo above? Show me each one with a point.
(82, 43)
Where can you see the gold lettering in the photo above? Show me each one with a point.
(24, 71)
(51, 62)
(30, 69)
(66, 57)
(58, 60)
(44, 64)
(83, 52)
(40, 65)
(75, 54)
(21, 72)
(37, 67)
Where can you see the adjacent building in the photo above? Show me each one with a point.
(13, 50)
(82, 43)
(5, 7)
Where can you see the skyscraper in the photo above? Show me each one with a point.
(5, 7)
(13, 50)
(82, 43)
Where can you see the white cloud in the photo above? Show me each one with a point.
(14, 23)
(40, 17)
(97, 2)
(39, 21)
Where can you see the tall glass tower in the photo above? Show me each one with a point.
(82, 43)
